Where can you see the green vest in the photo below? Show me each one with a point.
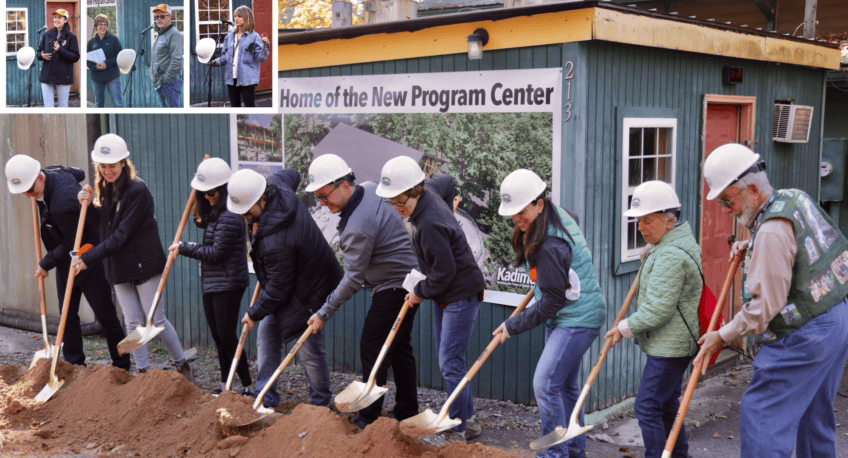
(589, 310)
(820, 272)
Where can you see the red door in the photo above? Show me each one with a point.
(722, 127)
(72, 22)
(265, 17)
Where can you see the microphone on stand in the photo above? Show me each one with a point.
(42, 29)
(151, 26)
(224, 21)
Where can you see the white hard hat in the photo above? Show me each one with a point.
(399, 174)
(109, 149)
(325, 170)
(518, 190)
(205, 49)
(726, 164)
(244, 189)
(26, 56)
(211, 173)
(125, 60)
(21, 172)
(652, 197)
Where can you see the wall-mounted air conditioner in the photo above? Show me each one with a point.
(792, 123)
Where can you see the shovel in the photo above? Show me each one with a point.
(257, 405)
(47, 352)
(53, 383)
(240, 344)
(427, 422)
(143, 334)
(560, 434)
(358, 395)
(696, 370)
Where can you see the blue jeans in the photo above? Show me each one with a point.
(657, 402)
(48, 90)
(790, 399)
(169, 94)
(114, 87)
(452, 327)
(269, 345)
(556, 384)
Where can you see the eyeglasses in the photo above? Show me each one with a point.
(324, 197)
(160, 16)
(397, 204)
(212, 193)
(728, 203)
(32, 189)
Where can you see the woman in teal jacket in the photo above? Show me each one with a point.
(243, 51)
(549, 244)
(670, 285)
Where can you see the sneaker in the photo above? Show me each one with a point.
(473, 429)
(185, 369)
(247, 392)
(218, 390)
(444, 438)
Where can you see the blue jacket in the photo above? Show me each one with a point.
(252, 52)
(223, 253)
(60, 68)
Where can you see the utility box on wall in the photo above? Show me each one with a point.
(834, 154)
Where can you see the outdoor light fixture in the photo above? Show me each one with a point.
(476, 41)
(843, 59)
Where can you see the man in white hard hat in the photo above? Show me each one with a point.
(665, 323)
(166, 63)
(377, 254)
(55, 189)
(795, 280)
(295, 267)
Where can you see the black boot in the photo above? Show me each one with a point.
(185, 369)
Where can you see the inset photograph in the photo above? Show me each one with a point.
(135, 54)
(42, 37)
(231, 63)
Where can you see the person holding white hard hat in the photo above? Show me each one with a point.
(59, 49)
(665, 323)
(794, 286)
(454, 281)
(296, 269)
(551, 247)
(223, 264)
(55, 189)
(105, 75)
(377, 254)
(129, 247)
(242, 53)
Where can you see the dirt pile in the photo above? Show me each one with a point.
(105, 411)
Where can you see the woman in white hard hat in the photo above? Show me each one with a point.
(454, 281)
(243, 51)
(223, 264)
(665, 323)
(130, 247)
(551, 247)
(59, 49)
(105, 75)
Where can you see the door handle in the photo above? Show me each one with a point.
(731, 239)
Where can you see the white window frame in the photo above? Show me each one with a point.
(7, 32)
(154, 33)
(626, 189)
(198, 22)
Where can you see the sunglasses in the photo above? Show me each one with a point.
(396, 204)
(728, 203)
(160, 16)
(32, 189)
(212, 193)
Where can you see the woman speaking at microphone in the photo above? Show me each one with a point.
(243, 51)
(59, 49)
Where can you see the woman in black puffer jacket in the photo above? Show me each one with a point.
(223, 264)
(59, 49)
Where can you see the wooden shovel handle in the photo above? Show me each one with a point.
(282, 366)
(372, 379)
(37, 232)
(696, 370)
(241, 343)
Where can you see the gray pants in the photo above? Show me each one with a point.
(135, 304)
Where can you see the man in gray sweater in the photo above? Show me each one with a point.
(167, 62)
(377, 254)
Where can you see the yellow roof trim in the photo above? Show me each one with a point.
(557, 27)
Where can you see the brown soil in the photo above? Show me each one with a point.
(127, 345)
(103, 409)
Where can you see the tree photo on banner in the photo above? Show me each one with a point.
(476, 129)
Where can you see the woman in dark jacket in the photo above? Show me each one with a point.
(105, 75)
(454, 281)
(129, 245)
(223, 264)
(59, 49)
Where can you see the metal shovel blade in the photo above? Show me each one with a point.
(427, 422)
(50, 389)
(559, 435)
(357, 397)
(44, 353)
(139, 337)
